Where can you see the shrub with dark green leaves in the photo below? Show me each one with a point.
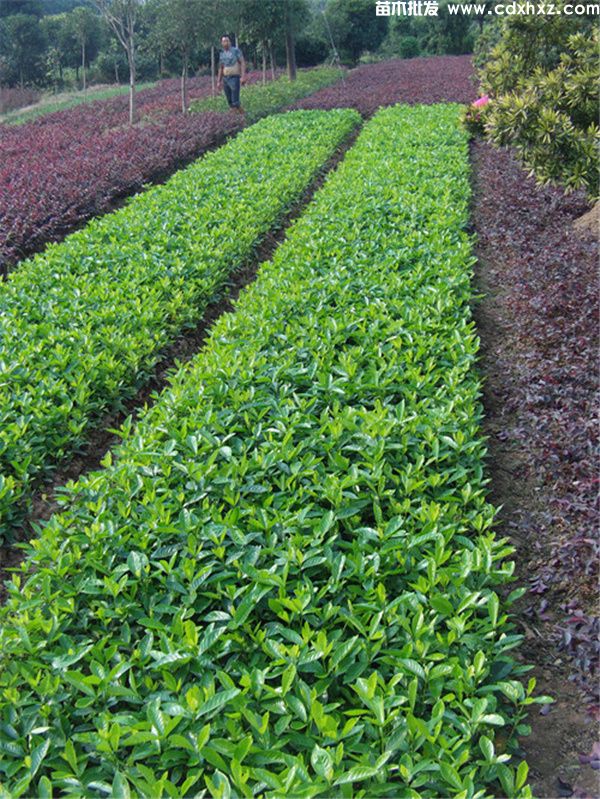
(546, 99)
(83, 324)
(260, 100)
(409, 47)
(487, 38)
(285, 582)
(510, 50)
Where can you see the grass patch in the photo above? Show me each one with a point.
(66, 100)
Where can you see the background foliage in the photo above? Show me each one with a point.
(40, 45)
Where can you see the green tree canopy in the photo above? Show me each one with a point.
(9, 8)
(356, 27)
(22, 45)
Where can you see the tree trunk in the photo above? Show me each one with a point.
(184, 84)
(212, 71)
(290, 47)
(272, 58)
(116, 72)
(83, 65)
(131, 59)
(264, 63)
(290, 54)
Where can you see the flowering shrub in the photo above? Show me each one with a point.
(473, 117)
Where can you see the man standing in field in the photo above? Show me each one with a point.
(232, 73)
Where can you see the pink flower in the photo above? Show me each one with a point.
(482, 101)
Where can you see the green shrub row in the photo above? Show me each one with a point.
(82, 325)
(284, 583)
(260, 100)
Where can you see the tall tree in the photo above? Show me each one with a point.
(63, 46)
(218, 16)
(292, 9)
(260, 22)
(158, 41)
(449, 33)
(86, 30)
(277, 18)
(9, 8)
(181, 24)
(122, 16)
(23, 44)
(356, 27)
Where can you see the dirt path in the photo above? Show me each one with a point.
(538, 323)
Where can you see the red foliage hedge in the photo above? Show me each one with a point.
(13, 98)
(414, 80)
(545, 276)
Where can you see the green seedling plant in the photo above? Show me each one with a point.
(285, 582)
(83, 324)
(260, 100)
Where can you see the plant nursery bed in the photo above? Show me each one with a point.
(103, 437)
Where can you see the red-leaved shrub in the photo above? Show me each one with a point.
(412, 80)
(13, 98)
